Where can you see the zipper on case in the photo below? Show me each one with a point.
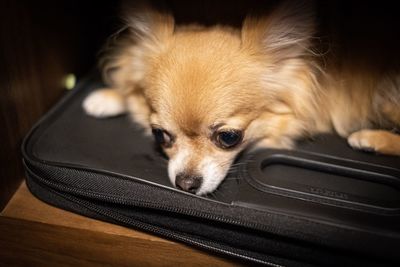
(58, 188)
(143, 204)
(173, 235)
(147, 227)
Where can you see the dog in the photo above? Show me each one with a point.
(208, 93)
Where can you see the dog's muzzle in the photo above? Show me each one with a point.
(188, 183)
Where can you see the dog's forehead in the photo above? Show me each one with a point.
(196, 85)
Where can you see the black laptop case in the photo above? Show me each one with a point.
(321, 204)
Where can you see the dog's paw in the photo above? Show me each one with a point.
(104, 103)
(378, 141)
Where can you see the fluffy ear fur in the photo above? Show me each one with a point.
(145, 32)
(281, 43)
(148, 24)
(285, 34)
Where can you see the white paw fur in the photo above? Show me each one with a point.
(104, 103)
(362, 140)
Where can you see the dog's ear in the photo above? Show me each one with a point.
(145, 32)
(148, 22)
(284, 34)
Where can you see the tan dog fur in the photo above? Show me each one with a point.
(262, 79)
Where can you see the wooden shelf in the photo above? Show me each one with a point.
(36, 234)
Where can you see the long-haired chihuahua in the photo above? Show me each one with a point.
(207, 93)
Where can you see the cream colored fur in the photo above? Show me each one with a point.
(262, 79)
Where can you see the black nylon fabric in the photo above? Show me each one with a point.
(256, 246)
(117, 190)
(107, 169)
(80, 206)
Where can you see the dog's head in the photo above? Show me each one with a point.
(207, 93)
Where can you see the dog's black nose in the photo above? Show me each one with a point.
(188, 183)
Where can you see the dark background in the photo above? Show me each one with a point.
(41, 41)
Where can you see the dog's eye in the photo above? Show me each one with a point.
(162, 137)
(228, 139)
